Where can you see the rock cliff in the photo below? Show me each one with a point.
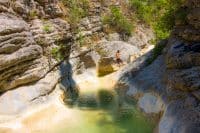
(28, 33)
(172, 81)
(31, 30)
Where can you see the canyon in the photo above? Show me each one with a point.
(36, 81)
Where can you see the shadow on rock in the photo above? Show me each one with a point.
(68, 84)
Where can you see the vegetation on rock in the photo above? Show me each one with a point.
(77, 9)
(156, 51)
(47, 28)
(118, 21)
(32, 14)
(159, 14)
(60, 52)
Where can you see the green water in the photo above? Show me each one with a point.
(102, 113)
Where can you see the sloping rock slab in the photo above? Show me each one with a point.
(15, 101)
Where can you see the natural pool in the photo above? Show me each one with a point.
(96, 110)
(102, 113)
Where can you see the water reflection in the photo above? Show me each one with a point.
(100, 112)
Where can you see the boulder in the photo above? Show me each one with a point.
(88, 61)
(105, 66)
(110, 48)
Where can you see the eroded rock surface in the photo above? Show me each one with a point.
(26, 41)
(173, 78)
(14, 101)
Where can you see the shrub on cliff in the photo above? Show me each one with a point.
(60, 52)
(159, 14)
(77, 9)
(118, 21)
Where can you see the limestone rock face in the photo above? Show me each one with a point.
(141, 37)
(147, 86)
(174, 78)
(182, 55)
(18, 53)
(36, 8)
(150, 104)
(114, 37)
(50, 32)
(184, 79)
(16, 101)
(190, 31)
(29, 29)
(181, 116)
(26, 41)
(183, 74)
(153, 95)
(183, 52)
(110, 48)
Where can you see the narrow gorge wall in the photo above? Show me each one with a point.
(182, 73)
(170, 86)
(182, 56)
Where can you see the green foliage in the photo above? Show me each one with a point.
(81, 39)
(59, 52)
(32, 13)
(47, 28)
(55, 53)
(153, 41)
(142, 11)
(118, 21)
(77, 9)
(159, 14)
(156, 52)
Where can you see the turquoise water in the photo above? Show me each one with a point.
(102, 113)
